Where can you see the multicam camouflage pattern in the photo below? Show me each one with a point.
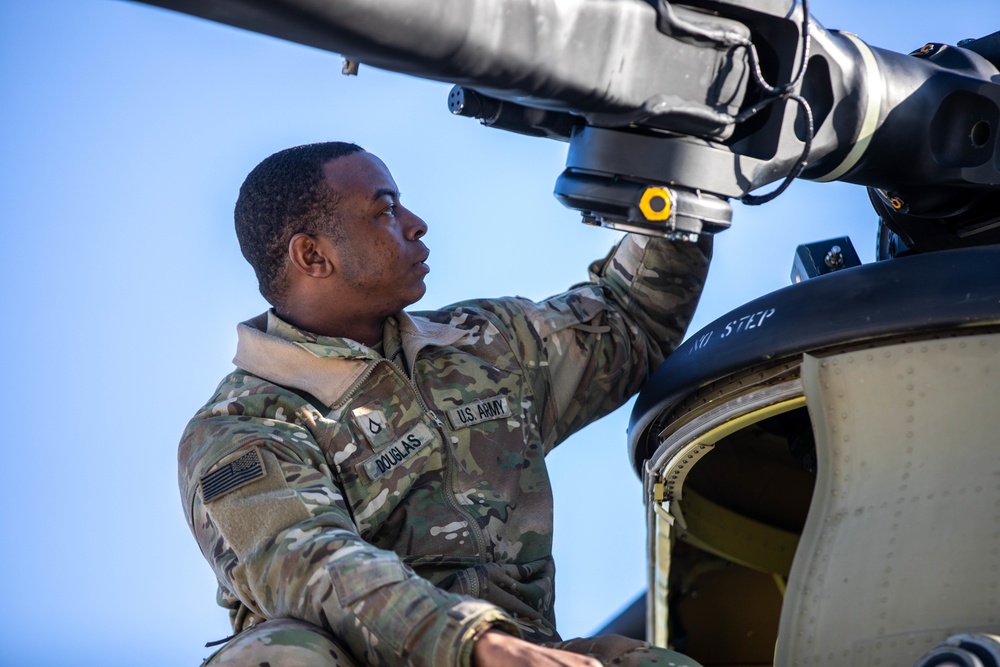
(293, 643)
(404, 503)
(283, 642)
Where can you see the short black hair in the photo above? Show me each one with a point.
(284, 195)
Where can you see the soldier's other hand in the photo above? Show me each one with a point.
(498, 649)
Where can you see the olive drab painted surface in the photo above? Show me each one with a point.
(399, 498)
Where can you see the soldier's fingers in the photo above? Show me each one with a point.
(497, 649)
(567, 659)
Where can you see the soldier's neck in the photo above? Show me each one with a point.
(363, 330)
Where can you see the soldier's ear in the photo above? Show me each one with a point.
(311, 255)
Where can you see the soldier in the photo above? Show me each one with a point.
(369, 485)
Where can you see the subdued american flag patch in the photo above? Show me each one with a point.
(231, 476)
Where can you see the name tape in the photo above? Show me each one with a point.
(396, 454)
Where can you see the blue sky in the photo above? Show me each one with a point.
(125, 132)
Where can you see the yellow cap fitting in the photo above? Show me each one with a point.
(656, 203)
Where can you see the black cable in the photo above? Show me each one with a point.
(800, 164)
(803, 59)
(671, 21)
(783, 92)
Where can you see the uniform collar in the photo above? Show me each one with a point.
(409, 332)
(327, 366)
(419, 332)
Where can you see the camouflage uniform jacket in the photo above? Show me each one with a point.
(401, 500)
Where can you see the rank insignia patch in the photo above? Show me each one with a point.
(374, 425)
(232, 476)
(478, 412)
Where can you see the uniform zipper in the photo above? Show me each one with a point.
(349, 394)
(452, 457)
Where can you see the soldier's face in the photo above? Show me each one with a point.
(381, 257)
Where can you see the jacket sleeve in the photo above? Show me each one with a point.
(281, 538)
(591, 348)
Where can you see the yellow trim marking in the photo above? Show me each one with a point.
(738, 424)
